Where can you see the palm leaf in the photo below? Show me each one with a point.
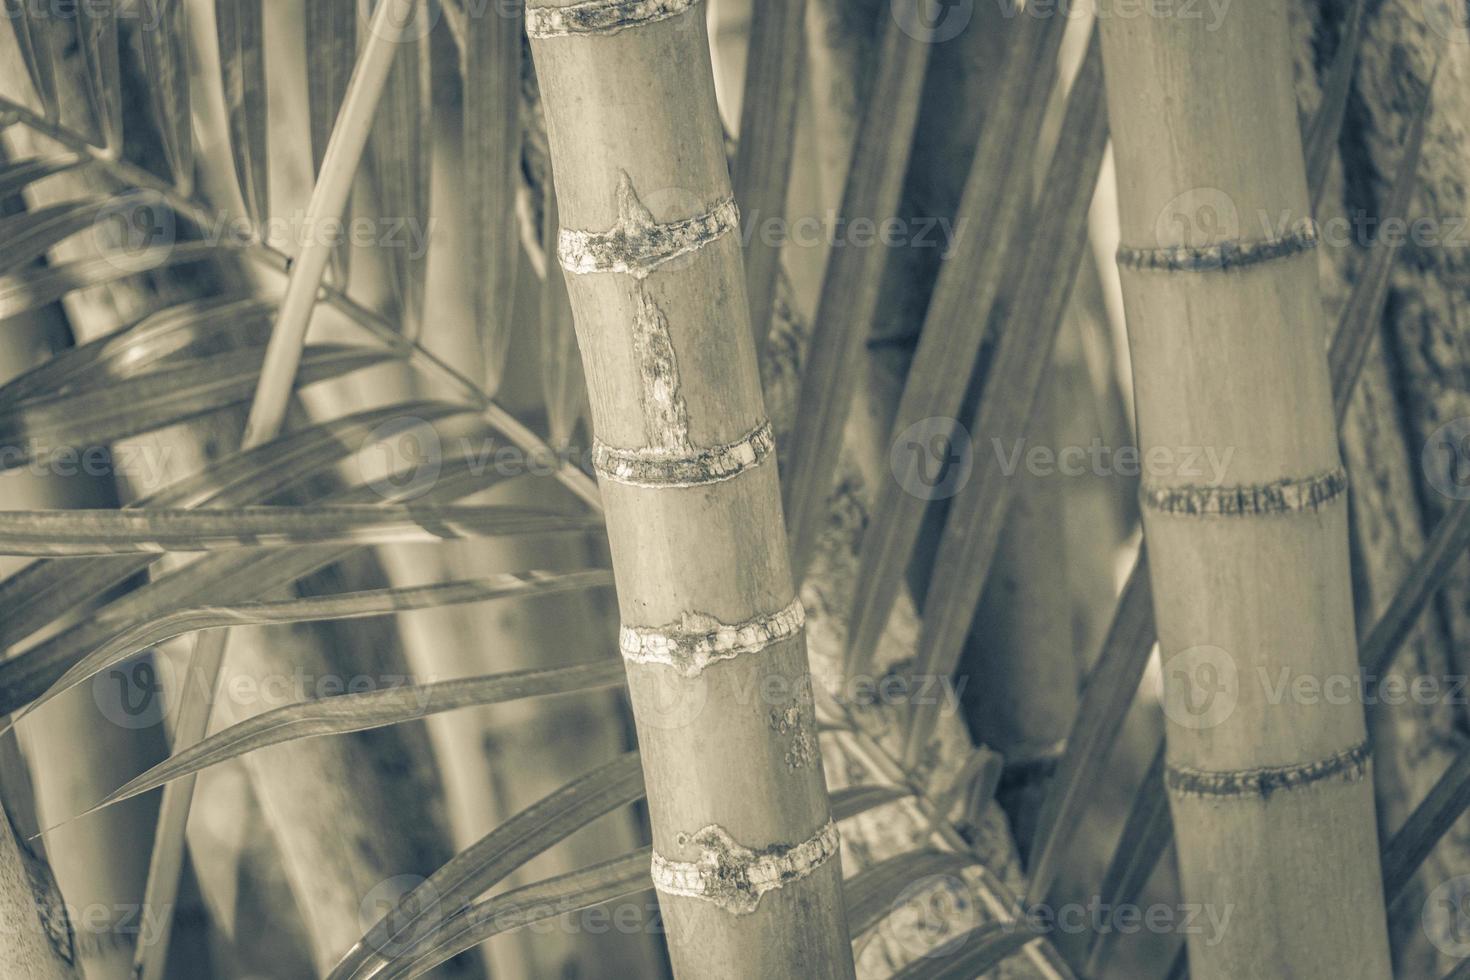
(164, 42)
(346, 713)
(490, 66)
(991, 206)
(331, 37)
(475, 870)
(850, 286)
(523, 906)
(980, 951)
(242, 68)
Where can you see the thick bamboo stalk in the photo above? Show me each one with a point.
(746, 857)
(1269, 790)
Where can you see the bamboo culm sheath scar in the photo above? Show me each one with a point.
(1272, 800)
(745, 857)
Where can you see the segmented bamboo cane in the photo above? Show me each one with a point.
(746, 860)
(1269, 787)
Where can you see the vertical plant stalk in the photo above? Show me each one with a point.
(745, 854)
(773, 79)
(1271, 797)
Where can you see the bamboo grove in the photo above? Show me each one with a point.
(500, 488)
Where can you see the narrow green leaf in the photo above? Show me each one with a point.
(331, 37)
(50, 589)
(181, 329)
(762, 171)
(1058, 240)
(425, 910)
(1431, 570)
(16, 177)
(348, 605)
(29, 235)
(1320, 144)
(1434, 815)
(1105, 699)
(33, 427)
(33, 36)
(35, 288)
(490, 66)
(385, 37)
(166, 860)
(346, 713)
(98, 37)
(850, 286)
(164, 41)
(850, 801)
(523, 906)
(991, 207)
(238, 26)
(400, 146)
(982, 950)
(563, 385)
(1146, 835)
(111, 532)
(232, 576)
(1361, 316)
(872, 894)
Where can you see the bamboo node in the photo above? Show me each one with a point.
(659, 467)
(600, 16)
(1285, 496)
(699, 640)
(1221, 255)
(636, 244)
(734, 876)
(1349, 766)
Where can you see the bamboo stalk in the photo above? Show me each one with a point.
(1270, 794)
(745, 855)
